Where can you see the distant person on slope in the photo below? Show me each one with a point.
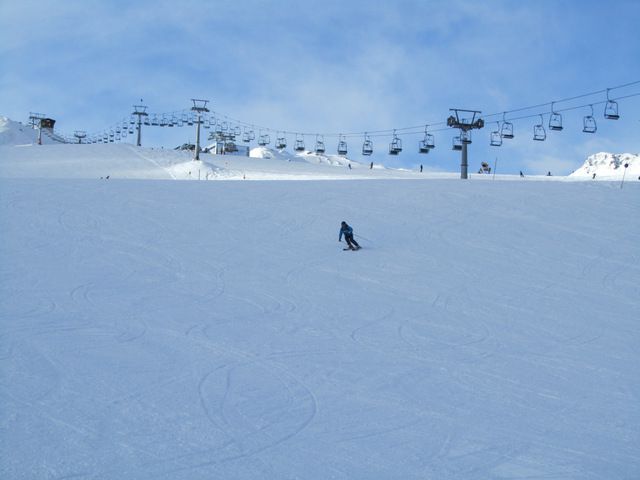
(347, 231)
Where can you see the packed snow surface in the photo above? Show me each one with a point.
(199, 330)
(216, 329)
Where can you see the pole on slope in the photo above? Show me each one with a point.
(495, 166)
(626, 165)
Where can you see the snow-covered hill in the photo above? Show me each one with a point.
(609, 166)
(20, 157)
(199, 330)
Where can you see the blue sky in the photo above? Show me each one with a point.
(332, 66)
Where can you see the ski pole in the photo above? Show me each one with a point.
(363, 238)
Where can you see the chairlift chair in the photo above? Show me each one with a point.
(367, 146)
(245, 136)
(611, 109)
(430, 141)
(342, 146)
(426, 143)
(320, 149)
(465, 137)
(281, 143)
(506, 131)
(496, 138)
(395, 147)
(299, 145)
(589, 123)
(555, 120)
(456, 143)
(422, 147)
(264, 140)
(147, 121)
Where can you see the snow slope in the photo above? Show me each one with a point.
(199, 330)
(131, 162)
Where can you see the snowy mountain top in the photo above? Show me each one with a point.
(15, 133)
(609, 165)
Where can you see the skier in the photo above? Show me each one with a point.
(347, 231)
(420, 168)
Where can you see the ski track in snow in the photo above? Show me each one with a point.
(215, 330)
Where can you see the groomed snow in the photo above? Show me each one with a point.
(199, 330)
(155, 329)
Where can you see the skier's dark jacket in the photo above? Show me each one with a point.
(345, 230)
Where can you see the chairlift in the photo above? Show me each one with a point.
(245, 136)
(465, 136)
(320, 149)
(555, 120)
(147, 121)
(456, 143)
(299, 145)
(154, 121)
(132, 120)
(589, 123)
(539, 133)
(496, 137)
(427, 142)
(506, 131)
(611, 108)
(281, 143)
(395, 147)
(342, 146)
(429, 139)
(264, 140)
(367, 146)
(131, 131)
(422, 147)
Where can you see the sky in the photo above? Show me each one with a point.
(334, 66)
